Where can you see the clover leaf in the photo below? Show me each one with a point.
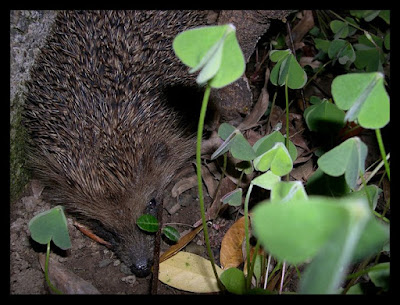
(50, 225)
(365, 98)
(214, 50)
(347, 158)
(287, 69)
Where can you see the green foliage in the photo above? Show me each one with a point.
(286, 191)
(365, 98)
(277, 159)
(368, 54)
(171, 233)
(323, 184)
(341, 50)
(287, 70)
(50, 225)
(234, 280)
(266, 143)
(347, 158)
(288, 231)
(266, 180)
(324, 117)
(214, 50)
(379, 275)
(233, 198)
(336, 228)
(235, 142)
(148, 223)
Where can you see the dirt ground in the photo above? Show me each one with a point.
(88, 259)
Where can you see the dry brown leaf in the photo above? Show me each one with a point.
(301, 29)
(309, 61)
(226, 186)
(259, 108)
(88, 232)
(182, 242)
(183, 185)
(303, 171)
(231, 246)
(209, 181)
(65, 280)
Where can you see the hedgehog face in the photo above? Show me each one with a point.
(132, 245)
(136, 251)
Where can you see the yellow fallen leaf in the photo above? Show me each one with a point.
(189, 272)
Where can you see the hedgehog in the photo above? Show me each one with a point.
(104, 139)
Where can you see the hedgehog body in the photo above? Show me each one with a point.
(104, 139)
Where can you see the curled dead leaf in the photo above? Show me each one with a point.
(182, 242)
(231, 247)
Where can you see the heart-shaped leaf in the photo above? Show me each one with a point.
(369, 54)
(347, 158)
(287, 69)
(277, 159)
(365, 98)
(233, 198)
(340, 28)
(235, 142)
(51, 225)
(266, 180)
(324, 117)
(285, 191)
(241, 149)
(325, 185)
(341, 50)
(234, 280)
(288, 231)
(266, 143)
(214, 50)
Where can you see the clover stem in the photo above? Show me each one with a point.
(287, 117)
(199, 180)
(246, 226)
(382, 150)
(250, 275)
(46, 271)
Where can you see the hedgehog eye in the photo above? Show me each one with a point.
(152, 207)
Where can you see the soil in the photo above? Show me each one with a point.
(89, 260)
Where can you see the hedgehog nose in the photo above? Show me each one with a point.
(141, 267)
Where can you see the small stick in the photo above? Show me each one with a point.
(157, 244)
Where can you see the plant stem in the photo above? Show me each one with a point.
(246, 226)
(287, 118)
(283, 276)
(199, 180)
(266, 272)
(316, 73)
(46, 271)
(287, 113)
(250, 275)
(383, 153)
